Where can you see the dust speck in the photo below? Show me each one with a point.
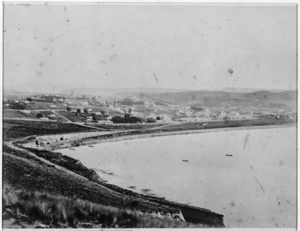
(240, 220)
(113, 57)
(38, 73)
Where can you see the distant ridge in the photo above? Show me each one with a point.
(115, 91)
(248, 90)
(217, 98)
(11, 92)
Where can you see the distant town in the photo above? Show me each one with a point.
(87, 109)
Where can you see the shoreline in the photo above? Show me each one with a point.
(190, 213)
(98, 140)
(145, 204)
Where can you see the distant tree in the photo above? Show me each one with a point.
(69, 109)
(85, 110)
(134, 119)
(94, 117)
(126, 119)
(127, 116)
(158, 118)
(117, 119)
(78, 110)
(150, 120)
(39, 115)
(29, 99)
(18, 106)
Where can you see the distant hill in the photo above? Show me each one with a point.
(205, 98)
(247, 90)
(11, 92)
(217, 98)
(42, 87)
(113, 92)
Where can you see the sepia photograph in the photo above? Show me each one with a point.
(149, 115)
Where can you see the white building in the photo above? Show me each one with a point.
(104, 122)
(165, 118)
(136, 114)
(152, 115)
(25, 112)
(84, 103)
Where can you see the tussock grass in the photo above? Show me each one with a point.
(56, 209)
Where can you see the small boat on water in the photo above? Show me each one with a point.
(185, 161)
(91, 146)
(229, 155)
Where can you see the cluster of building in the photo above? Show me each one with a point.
(96, 109)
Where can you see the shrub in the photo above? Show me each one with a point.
(54, 209)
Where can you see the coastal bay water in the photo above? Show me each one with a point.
(249, 176)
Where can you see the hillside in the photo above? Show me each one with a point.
(248, 90)
(39, 179)
(114, 91)
(218, 98)
(11, 92)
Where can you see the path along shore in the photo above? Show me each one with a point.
(53, 143)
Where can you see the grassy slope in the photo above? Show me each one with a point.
(57, 211)
(16, 129)
(28, 174)
(31, 174)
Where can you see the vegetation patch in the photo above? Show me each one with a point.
(66, 162)
(55, 211)
(13, 129)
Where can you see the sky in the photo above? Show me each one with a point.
(195, 46)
